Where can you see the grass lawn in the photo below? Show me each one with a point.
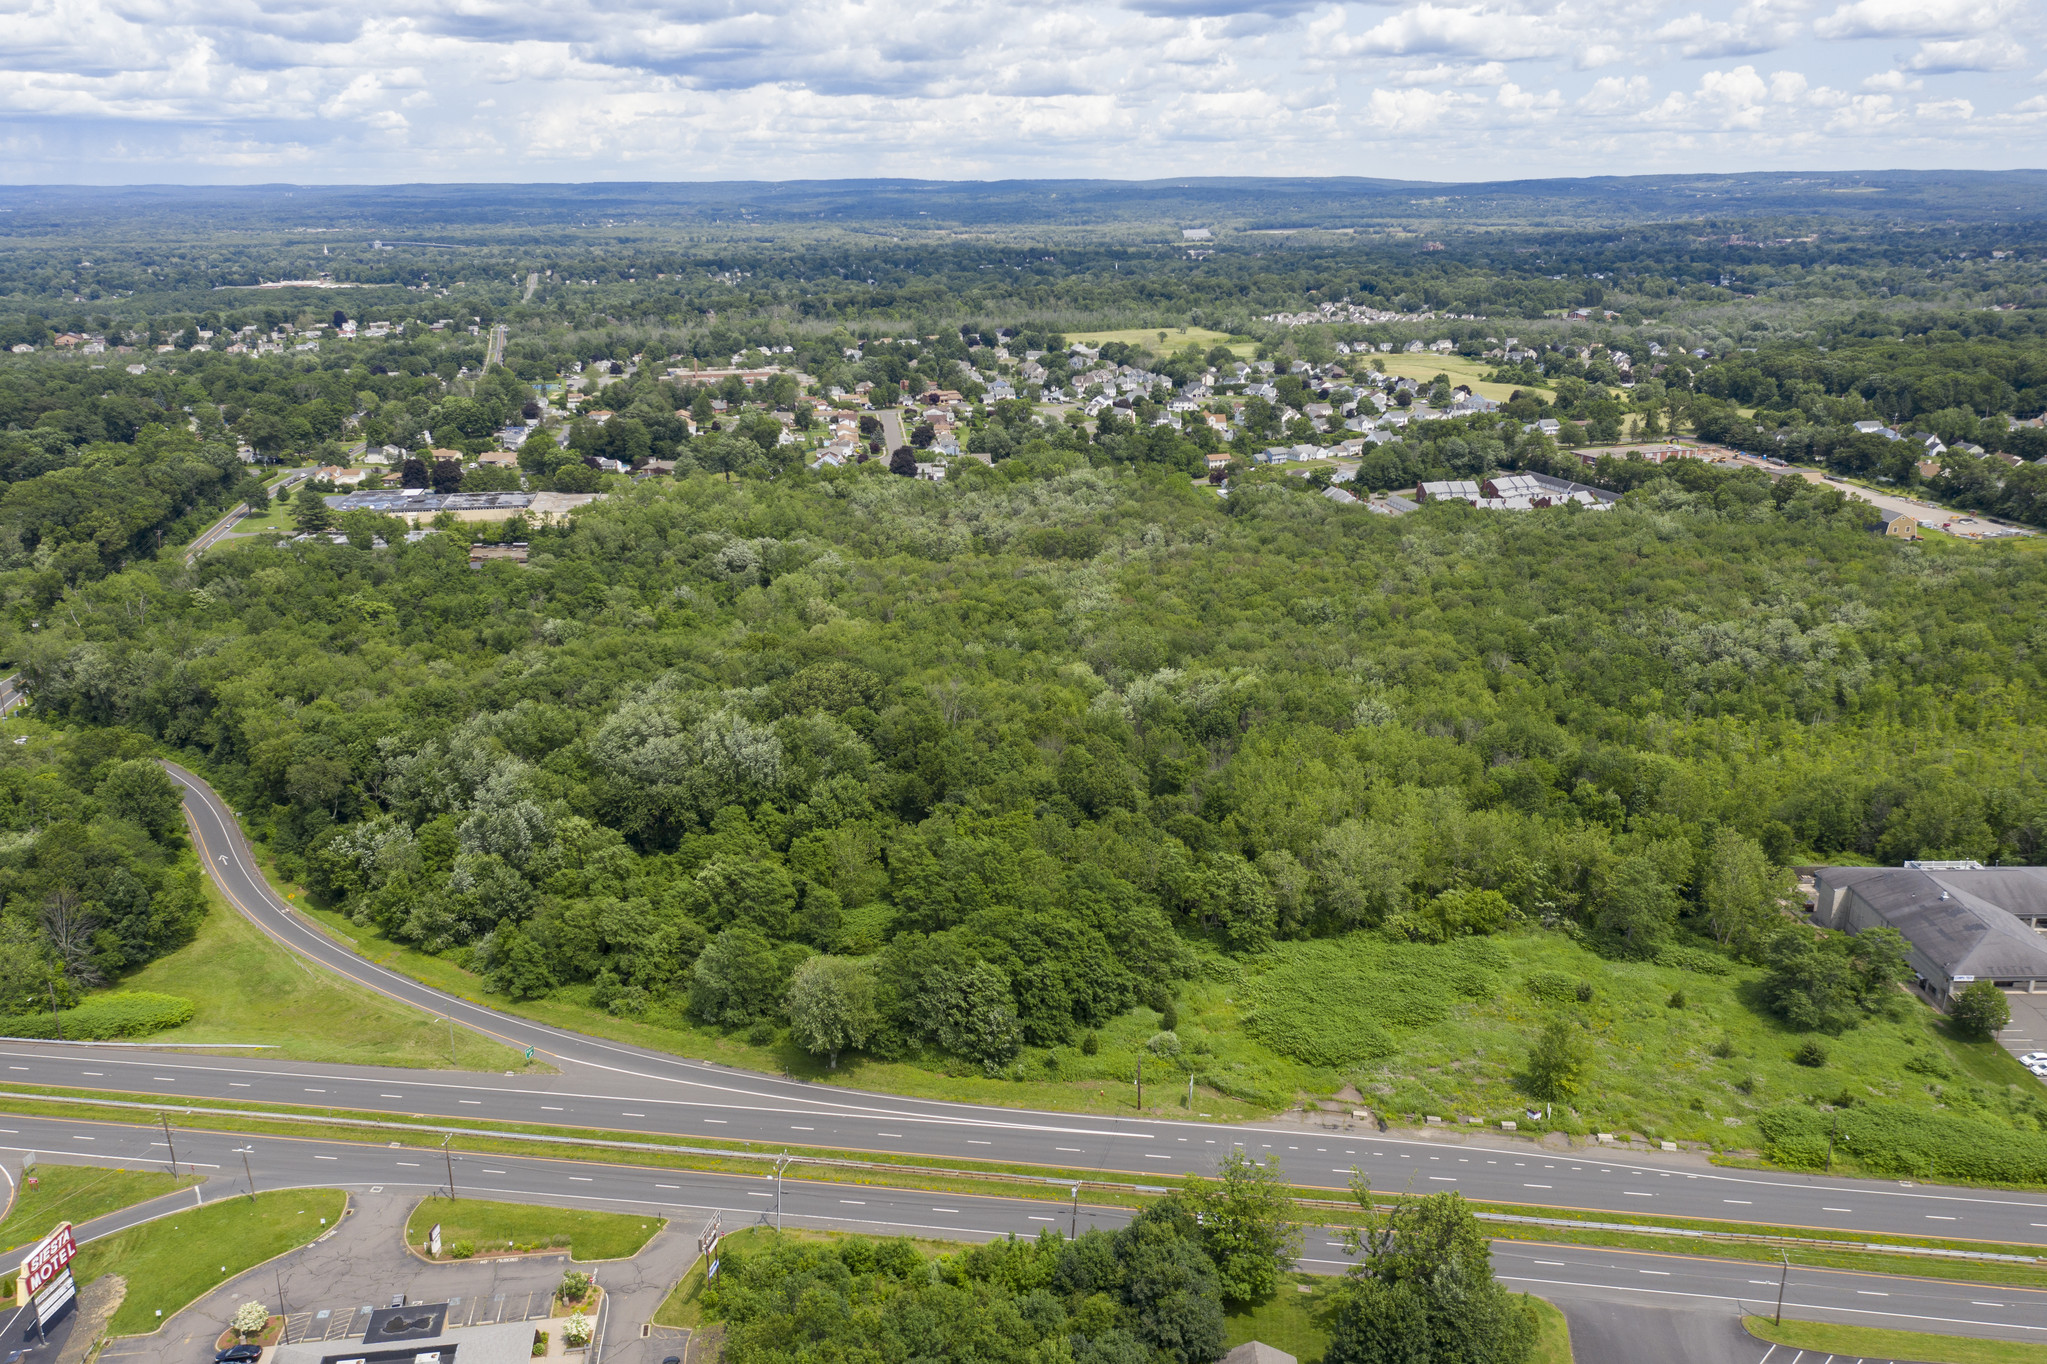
(78, 1193)
(1461, 369)
(506, 1226)
(1177, 340)
(246, 988)
(1855, 1341)
(173, 1261)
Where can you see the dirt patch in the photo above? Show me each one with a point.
(97, 1303)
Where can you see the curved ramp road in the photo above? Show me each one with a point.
(1560, 1273)
(632, 1090)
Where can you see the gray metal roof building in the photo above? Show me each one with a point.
(1964, 922)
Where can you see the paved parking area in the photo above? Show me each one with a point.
(2028, 1030)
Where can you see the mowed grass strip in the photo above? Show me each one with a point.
(1873, 1342)
(172, 1262)
(77, 1194)
(510, 1226)
(246, 988)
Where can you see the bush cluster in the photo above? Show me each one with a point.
(134, 1013)
(1331, 1003)
(1890, 1139)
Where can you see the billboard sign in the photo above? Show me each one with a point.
(55, 1297)
(50, 1257)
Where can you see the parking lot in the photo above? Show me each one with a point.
(2028, 1030)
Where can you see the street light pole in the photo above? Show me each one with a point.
(1140, 1085)
(1786, 1278)
(780, 1165)
(165, 1118)
(243, 1152)
(450, 1155)
(1073, 1234)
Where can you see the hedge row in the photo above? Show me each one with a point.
(1890, 1139)
(136, 1013)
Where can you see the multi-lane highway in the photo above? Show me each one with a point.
(630, 1090)
(1562, 1273)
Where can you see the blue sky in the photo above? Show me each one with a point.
(217, 91)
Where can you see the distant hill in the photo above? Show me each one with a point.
(1239, 203)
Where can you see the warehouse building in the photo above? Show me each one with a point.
(1965, 922)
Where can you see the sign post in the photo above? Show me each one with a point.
(46, 1274)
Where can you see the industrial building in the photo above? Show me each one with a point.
(1965, 922)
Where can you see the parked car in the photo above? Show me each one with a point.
(2033, 1058)
(2039, 1068)
(239, 1354)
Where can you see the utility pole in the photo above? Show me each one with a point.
(56, 1024)
(1832, 1133)
(1074, 1233)
(450, 1155)
(1140, 1086)
(1190, 1093)
(243, 1151)
(780, 1166)
(165, 1118)
(1784, 1279)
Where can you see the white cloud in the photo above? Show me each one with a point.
(493, 89)
(1968, 54)
(1912, 18)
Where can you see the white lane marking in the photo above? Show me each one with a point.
(1554, 1264)
(1035, 1218)
(310, 1090)
(1536, 1186)
(1974, 1303)
(413, 1163)
(326, 1157)
(755, 1193)
(1664, 1272)
(79, 1138)
(720, 1121)
(236, 1084)
(493, 1172)
(469, 1101)
(580, 1179)
(1745, 1202)
(96, 1074)
(658, 1186)
(1444, 1179)
(1847, 1210)
(25, 1068)
(1630, 1193)
(897, 1135)
(390, 1096)
(632, 1115)
(1149, 1156)
(1931, 1217)
(1074, 1149)
(549, 1108)
(794, 1128)
(972, 1142)
(1871, 1293)
(854, 1202)
(951, 1210)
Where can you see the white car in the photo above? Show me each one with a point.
(2033, 1058)
(2039, 1068)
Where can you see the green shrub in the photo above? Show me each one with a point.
(1930, 1063)
(1552, 987)
(1696, 959)
(462, 1250)
(1676, 1000)
(1332, 1002)
(1811, 1052)
(1723, 1049)
(135, 1013)
(1585, 992)
(1901, 1142)
(1090, 1045)
(539, 1344)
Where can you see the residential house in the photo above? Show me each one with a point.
(1899, 525)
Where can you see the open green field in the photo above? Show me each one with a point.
(1177, 339)
(1461, 369)
(1870, 1341)
(246, 988)
(510, 1226)
(77, 1194)
(175, 1260)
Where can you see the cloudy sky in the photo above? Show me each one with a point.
(195, 91)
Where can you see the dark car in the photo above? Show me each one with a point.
(239, 1354)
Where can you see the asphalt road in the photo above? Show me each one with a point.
(1580, 1278)
(637, 1092)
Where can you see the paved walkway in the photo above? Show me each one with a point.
(325, 1289)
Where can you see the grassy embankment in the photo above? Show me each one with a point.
(1656, 1071)
(77, 1194)
(523, 1226)
(1857, 1342)
(246, 988)
(175, 1260)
